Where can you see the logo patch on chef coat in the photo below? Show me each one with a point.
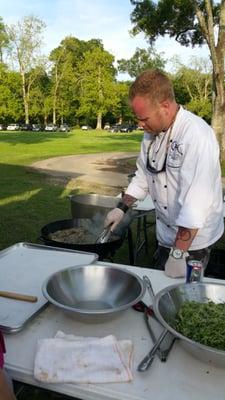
(175, 154)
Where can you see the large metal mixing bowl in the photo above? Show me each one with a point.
(168, 302)
(93, 293)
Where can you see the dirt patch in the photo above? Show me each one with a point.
(124, 166)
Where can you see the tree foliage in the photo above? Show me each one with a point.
(176, 18)
(4, 39)
(140, 61)
(190, 22)
(97, 84)
(25, 43)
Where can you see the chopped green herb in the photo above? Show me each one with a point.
(202, 322)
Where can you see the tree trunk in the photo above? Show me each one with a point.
(218, 118)
(25, 101)
(218, 124)
(217, 52)
(99, 121)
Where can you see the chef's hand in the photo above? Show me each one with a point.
(175, 268)
(113, 218)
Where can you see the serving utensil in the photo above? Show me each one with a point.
(105, 235)
(148, 359)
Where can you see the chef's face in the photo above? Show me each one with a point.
(152, 116)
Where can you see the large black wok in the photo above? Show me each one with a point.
(102, 249)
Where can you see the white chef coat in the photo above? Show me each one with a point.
(189, 192)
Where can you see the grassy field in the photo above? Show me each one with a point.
(29, 200)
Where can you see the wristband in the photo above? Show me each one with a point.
(122, 207)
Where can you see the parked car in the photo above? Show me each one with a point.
(115, 128)
(2, 127)
(127, 128)
(37, 128)
(51, 128)
(64, 128)
(86, 127)
(26, 127)
(13, 127)
(106, 127)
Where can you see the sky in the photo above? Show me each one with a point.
(108, 20)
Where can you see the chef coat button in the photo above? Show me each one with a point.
(168, 226)
(165, 207)
(165, 186)
(154, 200)
(153, 181)
(157, 217)
(153, 160)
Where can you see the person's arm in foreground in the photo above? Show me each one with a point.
(6, 392)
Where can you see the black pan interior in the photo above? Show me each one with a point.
(102, 249)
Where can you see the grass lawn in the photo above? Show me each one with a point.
(29, 200)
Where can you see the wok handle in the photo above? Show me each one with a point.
(18, 296)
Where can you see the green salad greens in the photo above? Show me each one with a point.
(202, 322)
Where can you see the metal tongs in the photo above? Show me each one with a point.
(105, 235)
(162, 352)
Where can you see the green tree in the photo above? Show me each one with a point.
(4, 40)
(193, 86)
(98, 92)
(190, 22)
(24, 48)
(140, 61)
(40, 103)
(11, 102)
(65, 75)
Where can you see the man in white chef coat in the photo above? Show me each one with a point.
(179, 167)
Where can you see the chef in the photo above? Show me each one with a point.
(179, 167)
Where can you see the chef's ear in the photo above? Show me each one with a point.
(165, 104)
(166, 107)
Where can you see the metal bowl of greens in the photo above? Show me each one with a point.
(195, 313)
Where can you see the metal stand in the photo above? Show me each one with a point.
(140, 242)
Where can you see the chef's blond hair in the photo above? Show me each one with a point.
(154, 85)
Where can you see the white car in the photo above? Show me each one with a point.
(51, 128)
(13, 127)
(85, 127)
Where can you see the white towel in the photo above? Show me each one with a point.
(69, 358)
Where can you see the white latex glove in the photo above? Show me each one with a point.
(175, 268)
(114, 217)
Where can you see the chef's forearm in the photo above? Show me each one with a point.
(184, 238)
(128, 200)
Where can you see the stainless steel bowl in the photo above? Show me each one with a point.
(168, 302)
(93, 293)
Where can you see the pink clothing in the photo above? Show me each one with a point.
(2, 350)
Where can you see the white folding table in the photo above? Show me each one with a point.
(180, 377)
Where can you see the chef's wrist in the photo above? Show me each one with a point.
(177, 253)
(122, 206)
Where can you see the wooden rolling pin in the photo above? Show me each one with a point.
(18, 296)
